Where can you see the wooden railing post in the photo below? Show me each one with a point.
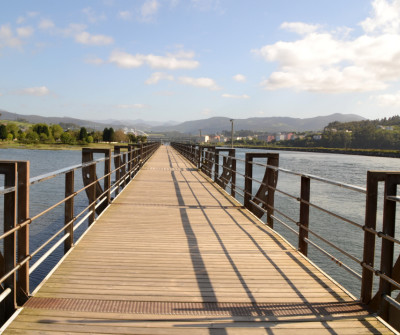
(248, 180)
(69, 210)
(369, 238)
(304, 214)
(117, 164)
(107, 180)
(10, 217)
(388, 228)
(22, 290)
(92, 193)
(233, 180)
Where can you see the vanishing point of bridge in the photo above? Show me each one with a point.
(175, 254)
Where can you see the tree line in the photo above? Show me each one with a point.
(44, 133)
(367, 134)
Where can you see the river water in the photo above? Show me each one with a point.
(343, 168)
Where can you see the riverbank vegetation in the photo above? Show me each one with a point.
(17, 134)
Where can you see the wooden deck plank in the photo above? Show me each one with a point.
(172, 236)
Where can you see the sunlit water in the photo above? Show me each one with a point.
(344, 168)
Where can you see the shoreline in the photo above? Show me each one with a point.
(359, 152)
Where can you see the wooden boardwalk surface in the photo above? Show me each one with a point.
(174, 255)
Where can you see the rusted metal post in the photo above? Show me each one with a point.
(233, 178)
(22, 290)
(69, 210)
(273, 160)
(10, 216)
(216, 165)
(304, 214)
(388, 228)
(107, 179)
(369, 238)
(117, 164)
(92, 193)
(248, 181)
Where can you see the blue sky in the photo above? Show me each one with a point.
(185, 60)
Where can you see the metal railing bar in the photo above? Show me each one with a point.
(333, 214)
(334, 259)
(83, 219)
(4, 294)
(285, 225)
(16, 228)
(16, 268)
(391, 301)
(52, 238)
(6, 190)
(331, 244)
(393, 198)
(313, 177)
(48, 253)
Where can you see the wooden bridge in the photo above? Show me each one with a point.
(174, 254)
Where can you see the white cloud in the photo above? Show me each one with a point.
(232, 96)
(385, 17)
(200, 82)
(45, 24)
(149, 9)
(7, 38)
(133, 106)
(321, 62)
(388, 100)
(300, 27)
(170, 62)
(125, 60)
(92, 16)
(88, 39)
(239, 78)
(157, 76)
(125, 15)
(37, 91)
(25, 32)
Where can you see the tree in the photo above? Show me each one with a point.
(13, 129)
(82, 134)
(3, 132)
(56, 130)
(31, 137)
(41, 128)
(67, 138)
(108, 134)
(119, 136)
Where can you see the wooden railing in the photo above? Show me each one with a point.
(261, 203)
(15, 259)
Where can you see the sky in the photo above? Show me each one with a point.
(186, 60)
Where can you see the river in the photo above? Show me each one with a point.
(343, 168)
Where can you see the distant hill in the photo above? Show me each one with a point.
(267, 124)
(50, 120)
(207, 126)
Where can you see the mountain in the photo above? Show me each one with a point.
(207, 126)
(50, 120)
(267, 124)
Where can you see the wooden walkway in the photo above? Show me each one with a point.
(174, 255)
